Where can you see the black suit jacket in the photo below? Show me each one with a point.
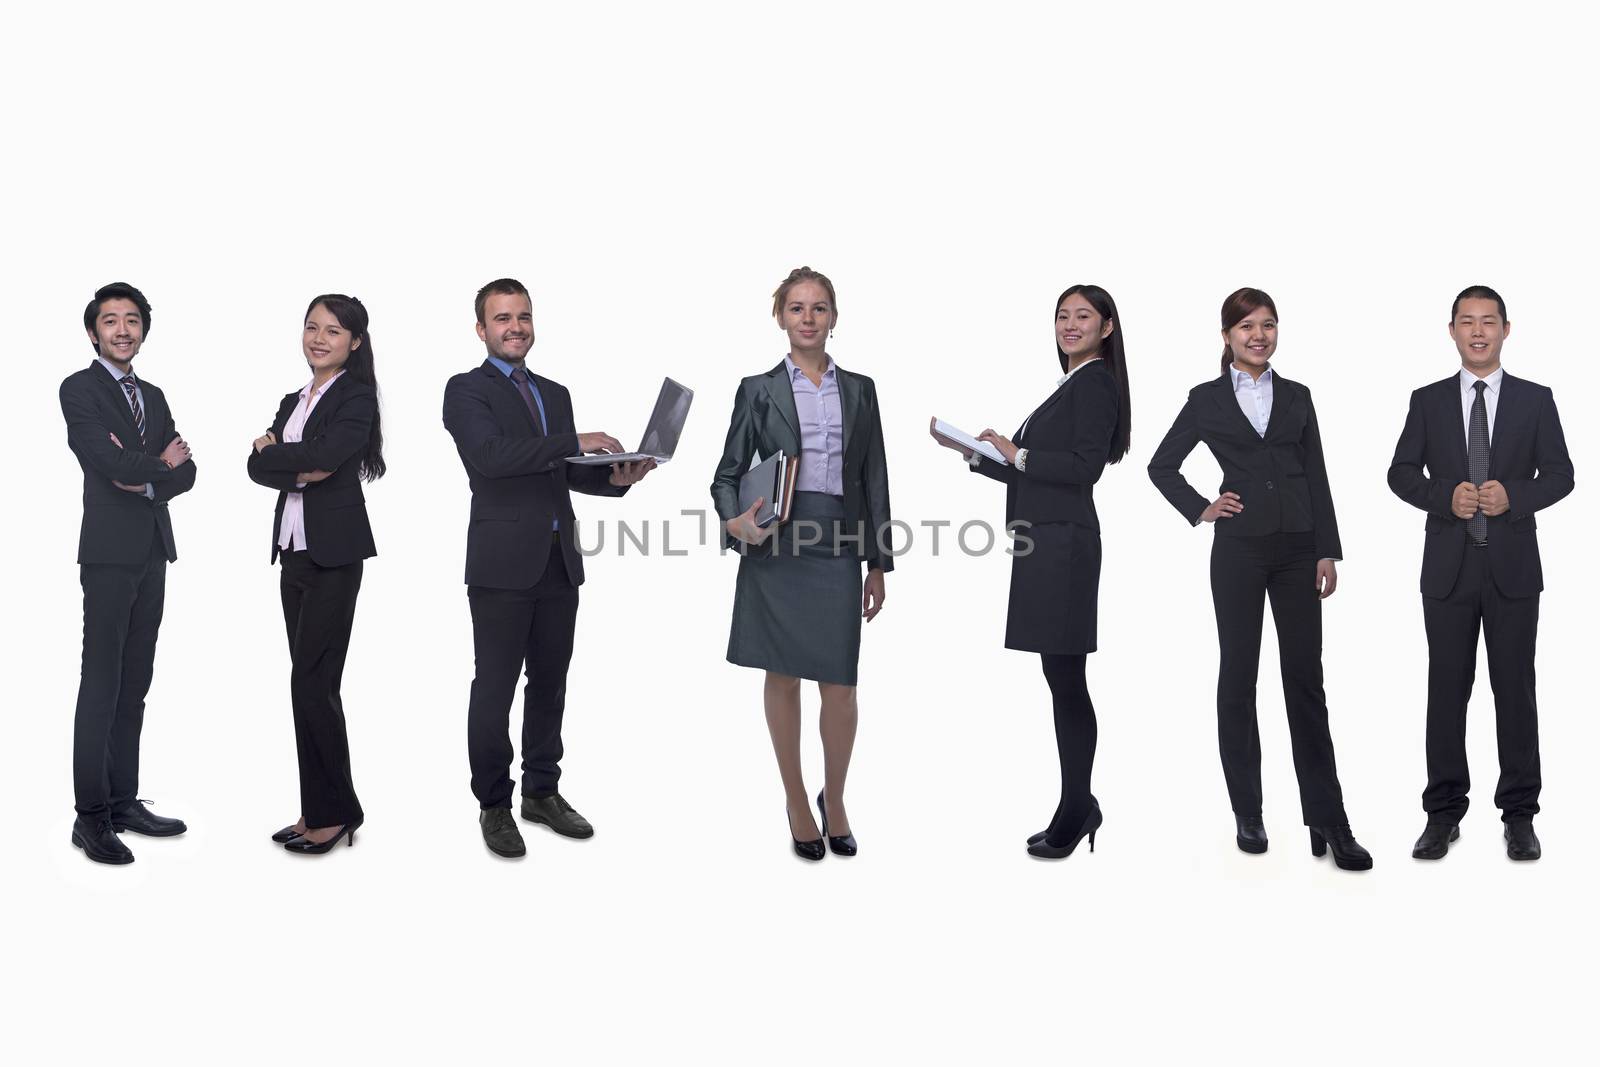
(519, 475)
(766, 421)
(336, 434)
(118, 526)
(1281, 479)
(1527, 455)
(1068, 439)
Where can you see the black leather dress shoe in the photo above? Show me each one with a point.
(1347, 854)
(287, 834)
(137, 818)
(1435, 840)
(1250, 834)
(806, 850)
(500, 833)
(99, 841)
(839, 846)
(1521, 842)
(554, 812)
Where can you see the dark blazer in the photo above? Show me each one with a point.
(1528, 455)
(519, 475)
(766, 421)
(1068, 439)
(118, 526)
(336, 434)
(1281, 479)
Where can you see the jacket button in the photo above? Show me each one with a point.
(1269, 485)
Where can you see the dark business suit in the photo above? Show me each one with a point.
(318, 585)
(1495, 585)
(1269, 550)
(523, 570)
(765, 421)
(124, 547)
(1055, 581)
(1055, 585)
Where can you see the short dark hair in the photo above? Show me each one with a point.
(501, 286)
(1478, 292)
(119, 291)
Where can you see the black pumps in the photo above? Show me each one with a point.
(301, 846)
(840, 846)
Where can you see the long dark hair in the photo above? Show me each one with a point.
(1240, 303)
(352, 315)
(1111, 351)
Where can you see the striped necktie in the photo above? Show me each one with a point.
(129, 387)
(1478, 459)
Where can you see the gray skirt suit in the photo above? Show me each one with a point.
(797, 599)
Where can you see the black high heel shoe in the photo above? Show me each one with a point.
(1043, 849)
(840, 846)
(1034, 839)
(287, 834)
(806, 850)
(300, 846)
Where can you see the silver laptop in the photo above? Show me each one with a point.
(660, 433)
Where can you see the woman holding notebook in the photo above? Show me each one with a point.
(800, 596)
(1049, 471)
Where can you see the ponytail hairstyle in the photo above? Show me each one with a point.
(796, 276)
(1240, 304)
(1111, 351)
(352, 315)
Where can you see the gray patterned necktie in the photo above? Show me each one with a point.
(132, 390)
(1478, 459)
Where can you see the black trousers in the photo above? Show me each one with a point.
(122, 605)
(1076, 734)
(1244, 572)
(517, 630)
(319, 608)
(1510, 629)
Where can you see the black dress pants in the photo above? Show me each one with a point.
(122, 606)
(1510, 628)
(1245, 571)
(517, 630)
(319, 608)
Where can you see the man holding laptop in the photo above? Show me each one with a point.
(515, 433)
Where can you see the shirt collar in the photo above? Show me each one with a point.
(112, 370)
(1067, 376)
(1242, 379)
(307, 390)
(788, 361)
(1492, 381)
(506, 368)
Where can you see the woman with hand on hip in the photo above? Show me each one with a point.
(1276, 539)
(1050, 471)
(325, 441)
(800, 597)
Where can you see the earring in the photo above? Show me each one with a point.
(830, 333)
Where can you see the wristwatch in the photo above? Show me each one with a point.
(1021, 462)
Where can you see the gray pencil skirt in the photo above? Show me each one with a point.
(798, 611)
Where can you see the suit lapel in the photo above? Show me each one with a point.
(849, 402)
(506, 387)
(1284, 396)
(557, 416)
(1450, 415)
(781, 393)
(119, 400)
(1230, 403)
(1505, 409)
(325, 405)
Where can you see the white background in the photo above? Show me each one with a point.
(651, 173)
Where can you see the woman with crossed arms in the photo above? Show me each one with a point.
(325, 441)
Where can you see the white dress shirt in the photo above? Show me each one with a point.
(1254, 396)
(292, 529)
(1491, 398)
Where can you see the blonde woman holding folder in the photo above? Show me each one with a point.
(1049, 472)
(800, 597)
